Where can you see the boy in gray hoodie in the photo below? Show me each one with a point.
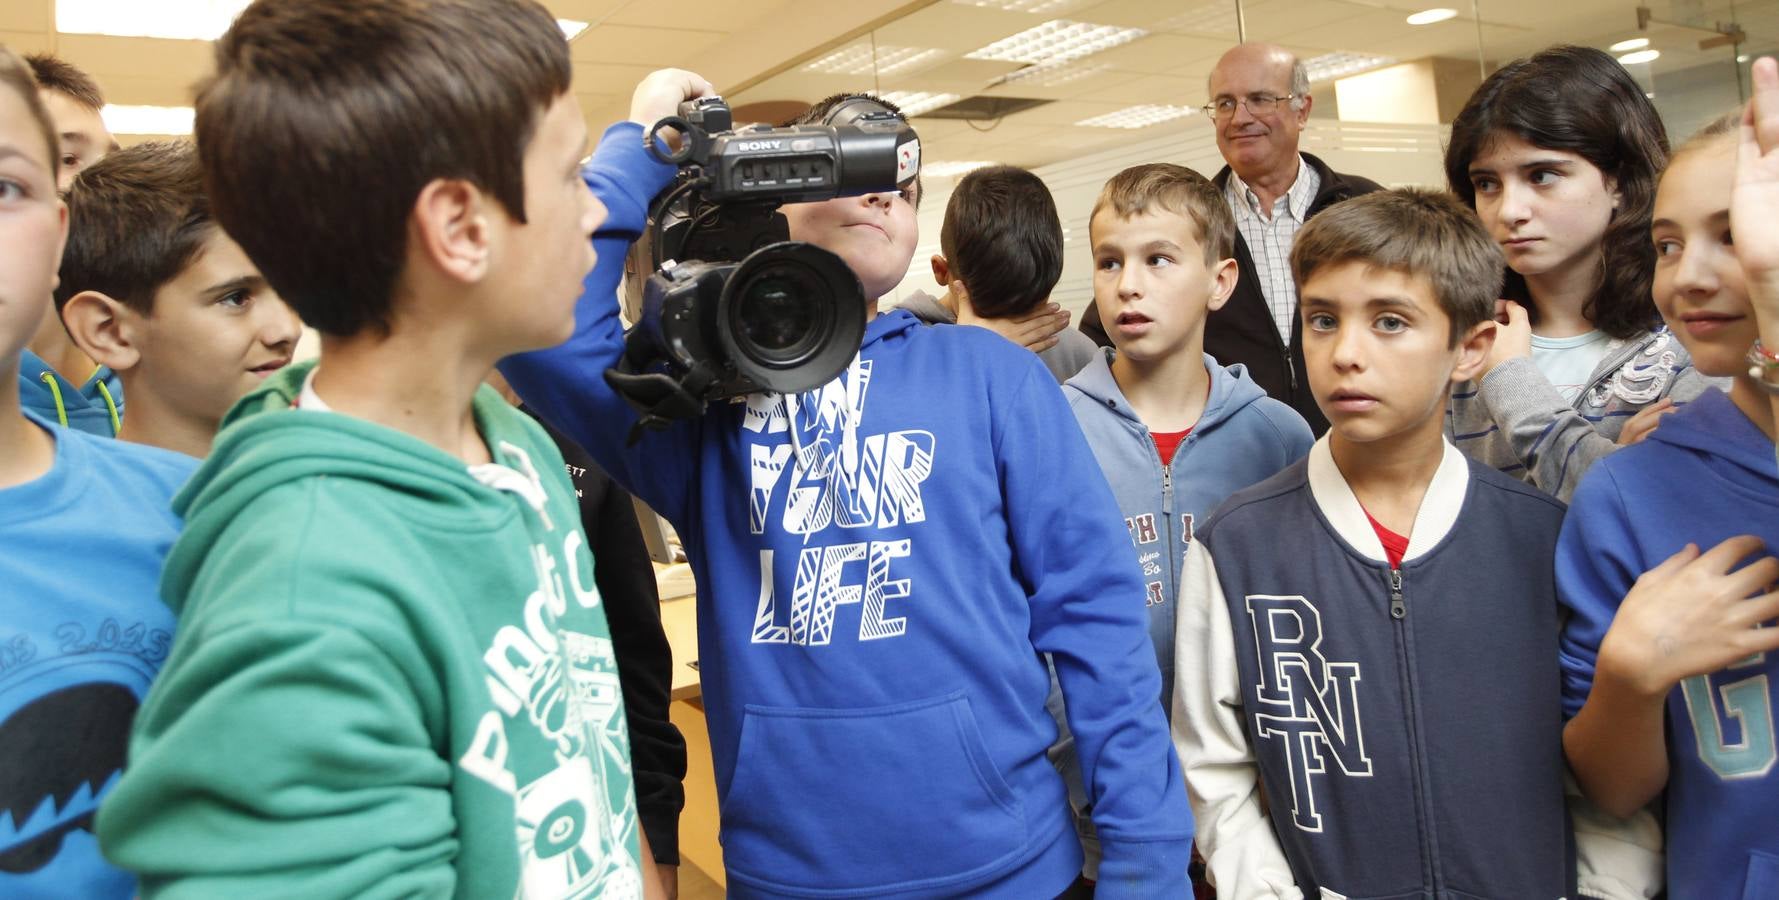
(1155, 404)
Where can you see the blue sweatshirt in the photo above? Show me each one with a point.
(96, 407)
(82, 632)
(1705, 475)
(881, 563)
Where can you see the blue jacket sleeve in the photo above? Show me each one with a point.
(1087, 605)
(566, 385)
(1597, 562)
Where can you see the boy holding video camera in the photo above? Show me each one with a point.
(882, 562)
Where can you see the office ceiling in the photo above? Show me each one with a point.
(800, 50)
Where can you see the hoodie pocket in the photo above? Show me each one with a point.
(831, 801)
(1762, 880)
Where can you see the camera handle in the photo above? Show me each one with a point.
(659, 399)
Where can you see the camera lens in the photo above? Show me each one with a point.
(777, 311)
(792, 317)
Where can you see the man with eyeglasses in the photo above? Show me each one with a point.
(1260, 100)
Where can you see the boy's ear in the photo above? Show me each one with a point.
(941, 270)
(104, 329)
(1223, 278)
(450, 229)
(1473, 348)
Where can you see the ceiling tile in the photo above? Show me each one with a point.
(652, 47)
(698, 15)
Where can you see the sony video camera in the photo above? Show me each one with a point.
(735, 306)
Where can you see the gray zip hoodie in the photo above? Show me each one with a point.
(1517, 422)
(1242, 438)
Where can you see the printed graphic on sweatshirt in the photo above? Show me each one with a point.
(575, 815)
(1309, 707)
(68, 693)
(1732, 718)
(833, 480)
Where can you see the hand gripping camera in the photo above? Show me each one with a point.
(735, 306)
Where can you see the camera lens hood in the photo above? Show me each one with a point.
(791, 317)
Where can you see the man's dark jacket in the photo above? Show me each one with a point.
(1243, 331)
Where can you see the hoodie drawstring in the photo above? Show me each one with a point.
(55, 391)
(117, 425)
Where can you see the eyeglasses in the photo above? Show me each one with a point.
(1258, 105)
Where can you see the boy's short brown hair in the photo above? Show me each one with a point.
(1417, 232)
(1139, 189)
(1003, 238)
(326, 118)
(14, 74)
(54, 73)
(136, 219)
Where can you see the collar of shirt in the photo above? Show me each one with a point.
(1297, 198)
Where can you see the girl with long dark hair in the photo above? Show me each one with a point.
(1559, 154)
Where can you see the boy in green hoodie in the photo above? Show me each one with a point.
(392, 674)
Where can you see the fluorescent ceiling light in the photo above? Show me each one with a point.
(1639, 56)
(1036, 7)
(949, 169)
(1057, 41)
(1429, 16)
(914, 103)
(571, 28)
(190, 20)
(1632, 44)
(147, 119)
(1342, 63)
(858, 59)
(1138, 116)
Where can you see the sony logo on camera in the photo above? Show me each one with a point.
(747, 146)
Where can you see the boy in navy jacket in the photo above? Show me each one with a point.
(881, 564)
(1332, 628)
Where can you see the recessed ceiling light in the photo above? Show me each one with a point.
(1138, 116)
(1632, 44)
(1057, 41)
(147, 119)
(571, 28)
(1639, 56)
(1429, 16)
(1342, 63)
(190, 20)
(914, 103)
(858, 59)
(948, 169)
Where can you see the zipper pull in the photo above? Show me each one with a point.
(1398, 609)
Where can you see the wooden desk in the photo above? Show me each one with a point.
(698, 823)
(679, 617)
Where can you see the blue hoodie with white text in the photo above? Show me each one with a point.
(882, 563)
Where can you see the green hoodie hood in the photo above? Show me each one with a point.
(266, 442)
(392, 674)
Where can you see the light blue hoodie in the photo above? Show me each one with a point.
(96, 407)
(1243, 437)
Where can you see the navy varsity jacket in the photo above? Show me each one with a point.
(1404, 724)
